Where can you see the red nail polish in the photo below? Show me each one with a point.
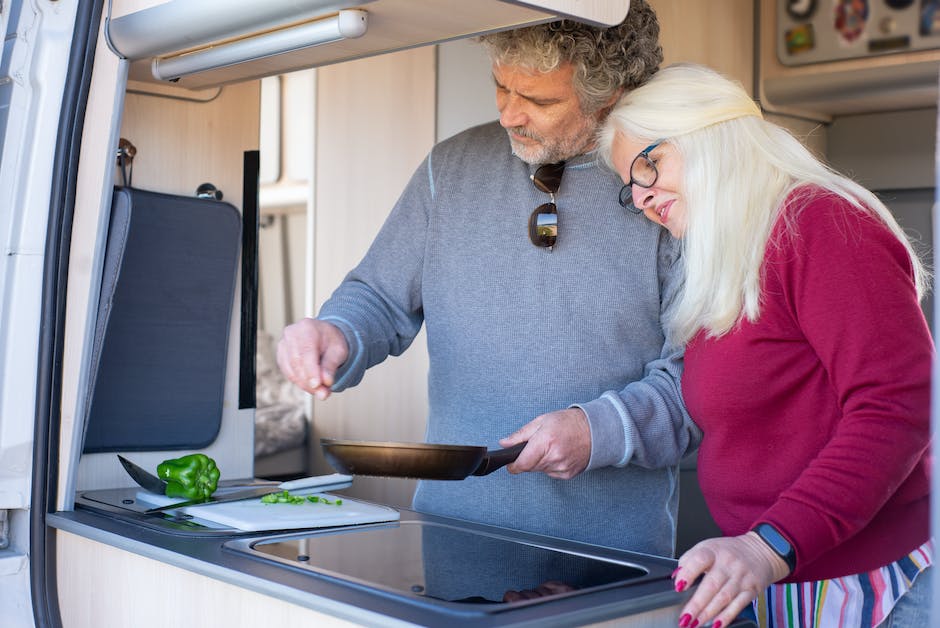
(717, 624)
(684, 620)
(680, 586)
(694, 624)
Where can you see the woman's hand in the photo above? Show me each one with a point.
(736, 569)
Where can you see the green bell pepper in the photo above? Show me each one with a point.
(194, 476)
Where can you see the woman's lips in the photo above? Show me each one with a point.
(663, 210)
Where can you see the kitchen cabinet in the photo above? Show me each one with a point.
(740, 39)
(392, 25)
(117, 573)
(904, 78)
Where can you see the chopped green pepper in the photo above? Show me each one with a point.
(285, 497)
(194, 476)
(270, 498)
(324, 500)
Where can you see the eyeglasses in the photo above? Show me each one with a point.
(643, 172)
(543, 223)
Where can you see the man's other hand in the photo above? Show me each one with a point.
(309, 353)
(559, 444)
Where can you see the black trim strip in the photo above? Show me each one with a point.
(65, 155)
(249, 309)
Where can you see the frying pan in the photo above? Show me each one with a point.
(415, 460)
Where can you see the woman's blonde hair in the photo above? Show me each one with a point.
(738, 170)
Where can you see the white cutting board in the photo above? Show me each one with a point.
(252, 515)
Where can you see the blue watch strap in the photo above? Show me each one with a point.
(777, 542)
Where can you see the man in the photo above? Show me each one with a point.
(543, 299)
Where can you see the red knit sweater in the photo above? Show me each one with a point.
(816, 418)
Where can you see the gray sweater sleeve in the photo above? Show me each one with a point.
(646, 423)
(378, 305)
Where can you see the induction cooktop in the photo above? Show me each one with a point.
(439, 563)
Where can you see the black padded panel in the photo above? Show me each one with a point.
(163, 323)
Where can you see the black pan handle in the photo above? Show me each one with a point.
(497, 458)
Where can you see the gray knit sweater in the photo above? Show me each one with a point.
(515, 331)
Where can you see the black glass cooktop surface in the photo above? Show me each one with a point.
(447, 564)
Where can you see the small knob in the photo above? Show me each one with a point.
(209, 191)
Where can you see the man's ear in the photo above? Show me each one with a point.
(604, 110)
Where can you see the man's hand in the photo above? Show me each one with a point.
(736, 569)
(559, 444)
(309, 353)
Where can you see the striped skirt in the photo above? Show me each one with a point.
(858, 601)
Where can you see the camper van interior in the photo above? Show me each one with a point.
(253, 172)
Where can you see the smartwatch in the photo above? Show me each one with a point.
(777, 542)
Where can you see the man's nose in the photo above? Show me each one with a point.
(512, 113)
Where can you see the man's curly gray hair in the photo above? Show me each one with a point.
(604, 59)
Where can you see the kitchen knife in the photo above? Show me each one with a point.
(323, 482)
(143, 477)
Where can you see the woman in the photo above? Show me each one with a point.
(807, 362)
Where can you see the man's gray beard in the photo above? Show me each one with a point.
(550, 153)
(536, 155)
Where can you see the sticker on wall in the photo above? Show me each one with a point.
(930, 17)
(851, 17)
(801, 9)
(800, 39)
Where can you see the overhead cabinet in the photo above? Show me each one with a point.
(214, 42)
(821, 60)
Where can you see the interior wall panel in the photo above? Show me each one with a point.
(375, 124)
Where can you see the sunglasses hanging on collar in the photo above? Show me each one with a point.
(543, 222)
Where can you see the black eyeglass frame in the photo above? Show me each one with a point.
(626, 192)
(543, 221)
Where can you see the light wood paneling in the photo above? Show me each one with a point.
(182, 143)
(100, 585)
(717, 33)
(720, 34)
(375, 125)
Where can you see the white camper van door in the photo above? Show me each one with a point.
(4, 21)
(32, 75)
